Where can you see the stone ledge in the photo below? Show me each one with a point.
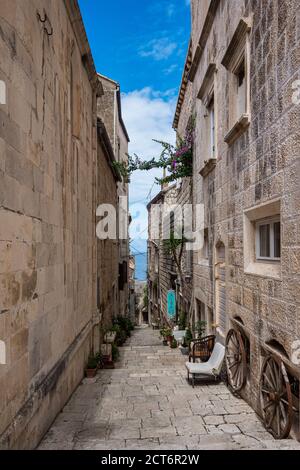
(209, 166)
(237, 130)
(243, 28)
(265, 270)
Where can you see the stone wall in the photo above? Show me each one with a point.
(185, 196)
(260, 166)
(109, 110)
(47, 215)
(107, 250)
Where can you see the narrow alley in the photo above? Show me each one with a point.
(146, 403)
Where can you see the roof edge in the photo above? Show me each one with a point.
(107, 148)
(76, 20)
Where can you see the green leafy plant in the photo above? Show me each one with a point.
(121, 338)
(182, 320)
(174, 343)
(178, 160)
(123, 327)
(99, 359)
(165, 332)
(200, 328)
(188, 337)
(115, 352)
(174, 247)
(92, 363)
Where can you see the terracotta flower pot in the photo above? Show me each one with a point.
(169, 339)
(90, 373)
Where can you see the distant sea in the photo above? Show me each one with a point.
(139, 251)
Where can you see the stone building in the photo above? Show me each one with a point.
(109, 109)
(50, 186)
(131, 282)
(108, 179)
(240, 81)
(162, 272)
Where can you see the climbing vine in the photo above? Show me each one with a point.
(177, 160)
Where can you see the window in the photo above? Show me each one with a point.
(188, 262)
(268, 245)
(211, 114)
(241, 89)
(209, 125)
(205, 246)
(203, 253)
(237, 61)
(262, 240)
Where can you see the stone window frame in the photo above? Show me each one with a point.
(238, 51)
(203, 253)
(270, 268)
(206, 94)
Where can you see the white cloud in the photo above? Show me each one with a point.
(171, 69)
(158, 49)
(148, 114)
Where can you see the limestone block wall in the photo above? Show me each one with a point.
(107, 250)
(109, 109)
(260, 166)
(47, 217)
(185, 196)
(167, 270)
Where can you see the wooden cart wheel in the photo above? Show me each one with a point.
(236, 362)
(276, 398)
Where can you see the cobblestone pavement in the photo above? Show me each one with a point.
(146, 403)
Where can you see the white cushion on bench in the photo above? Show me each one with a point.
(213, 366)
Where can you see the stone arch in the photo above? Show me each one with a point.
(277, 347)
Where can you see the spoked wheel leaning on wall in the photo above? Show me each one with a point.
(276, 397)
(236, 360)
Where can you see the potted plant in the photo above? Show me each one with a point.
(182, 320)
(173, 344)
(165, 332)
(184, 347)
(168, 335)
(115, 352)
(188, 337)
(91, 367)
(200, 328)
(110, 336)
(99, 359)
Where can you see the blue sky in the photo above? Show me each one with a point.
(141, 44)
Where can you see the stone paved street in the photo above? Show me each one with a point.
(146, 403)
